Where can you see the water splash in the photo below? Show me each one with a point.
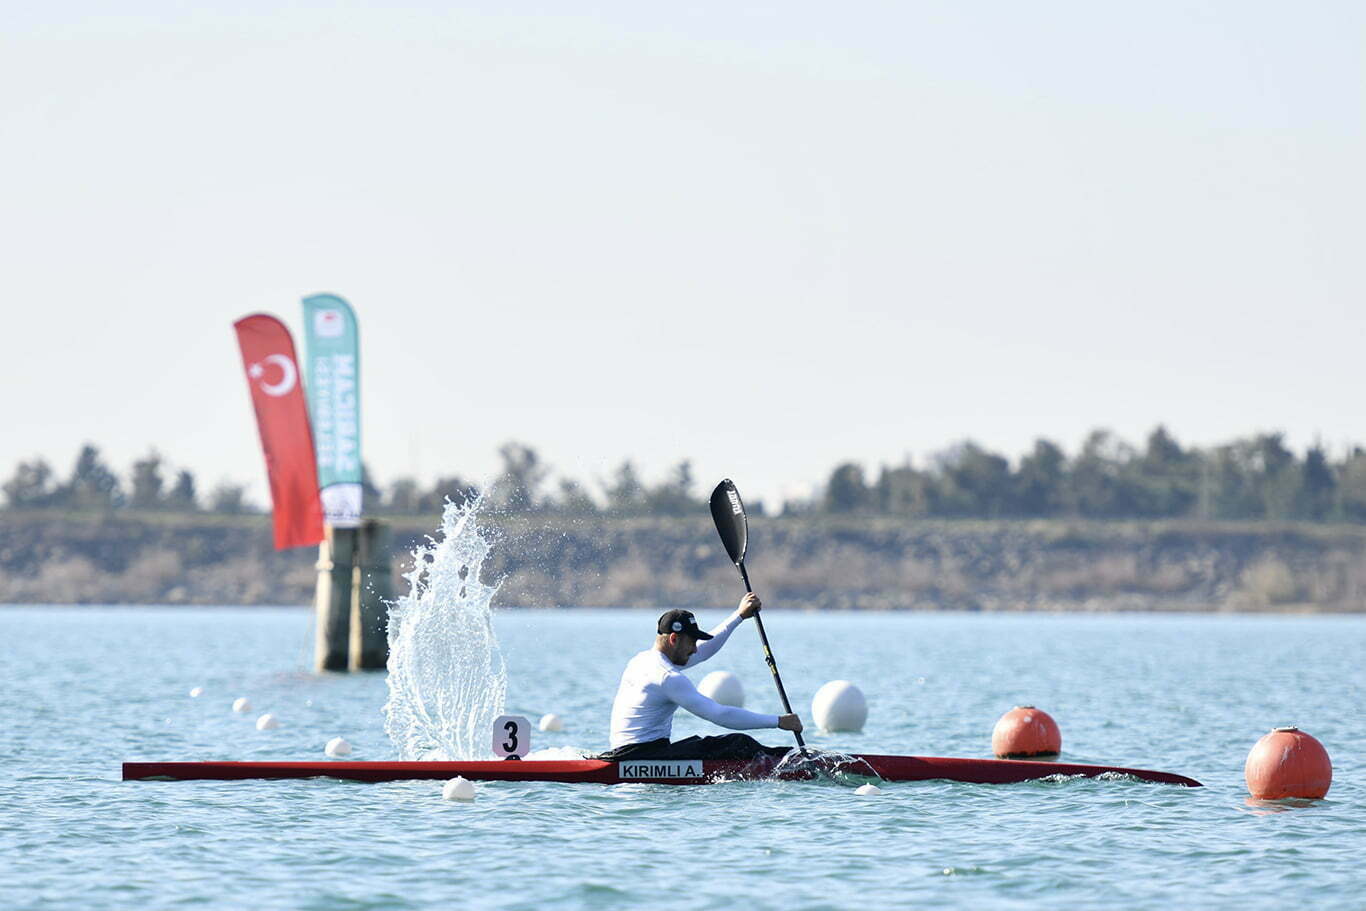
(447, 679)
(827, 765)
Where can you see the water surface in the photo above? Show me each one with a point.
(83, 689)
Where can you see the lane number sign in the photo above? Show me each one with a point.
(511, 736)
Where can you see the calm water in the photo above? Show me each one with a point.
(83, 689)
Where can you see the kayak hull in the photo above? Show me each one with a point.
(671, 771)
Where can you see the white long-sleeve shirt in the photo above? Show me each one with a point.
(652, 688)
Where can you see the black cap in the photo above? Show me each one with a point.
(681, 621)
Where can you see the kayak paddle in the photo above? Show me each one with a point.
(729, 515)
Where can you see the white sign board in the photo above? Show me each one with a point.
(511, 736)
(646, 769)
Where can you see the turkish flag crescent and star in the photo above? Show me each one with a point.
(282, 417)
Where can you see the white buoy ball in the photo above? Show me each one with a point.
(868, 790)
(839, 706)
(267, 722)
(337, 746)
(197, 692)
(551, 722)
(242, 704)
(724, 687)
(458, 789)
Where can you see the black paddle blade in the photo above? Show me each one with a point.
(729, 514)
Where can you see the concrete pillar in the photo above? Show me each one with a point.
(336, 556)
(373, 590)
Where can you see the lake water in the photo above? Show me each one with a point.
(81, 690)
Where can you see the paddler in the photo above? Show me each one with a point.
(653, 687)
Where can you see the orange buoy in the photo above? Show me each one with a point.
(1288, 763)
(1026, 731)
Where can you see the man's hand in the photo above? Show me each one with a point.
(790, 723)
(749, 605)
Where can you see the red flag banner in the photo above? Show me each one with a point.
(282, 417)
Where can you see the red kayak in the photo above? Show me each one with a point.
(659, 771)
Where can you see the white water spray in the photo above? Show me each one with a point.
(827, 765)
(447, 680)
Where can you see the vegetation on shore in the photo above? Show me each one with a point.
(1245, 526)
(812, 563)
(1254, 478)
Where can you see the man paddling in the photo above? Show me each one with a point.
(653, 687)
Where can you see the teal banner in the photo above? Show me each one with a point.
(332, 382)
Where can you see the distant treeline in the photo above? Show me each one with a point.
(1253, 478)
(1256, 477)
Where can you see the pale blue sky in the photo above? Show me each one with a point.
(765, 237)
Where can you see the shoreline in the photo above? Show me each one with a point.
(648, 609)
(870, 564)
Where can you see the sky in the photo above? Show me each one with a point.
(766, 237)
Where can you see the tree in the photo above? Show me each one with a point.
(1318, 487)
(846, 491)
(1040, 479)
(625, 494)
(674, 496)
(92, 484)
(147, 482)
(229, 498)
(1231, 477)
(574, 500)
(1162, 453)
(1165, 478)
(518, 487)
(1270, 453)
(29, 489)
(1276, 479)
(902, 491)
(183, 497)
(1097, 488)
(1351, 492)
(978, 482)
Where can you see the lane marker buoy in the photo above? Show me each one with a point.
(267, 722)
(551, 722)
(868, 790)
(839, 706)
(1287, 762)
(458, 789)
(241, 704)
(337, 746)
(723, 687)
(197, 692)
(1025, 731)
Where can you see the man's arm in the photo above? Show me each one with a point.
(681, 690)
(749, 606)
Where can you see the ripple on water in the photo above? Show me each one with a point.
(72, 835)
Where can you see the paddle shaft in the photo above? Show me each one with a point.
(768, 656)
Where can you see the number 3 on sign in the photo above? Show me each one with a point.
(511, 736)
